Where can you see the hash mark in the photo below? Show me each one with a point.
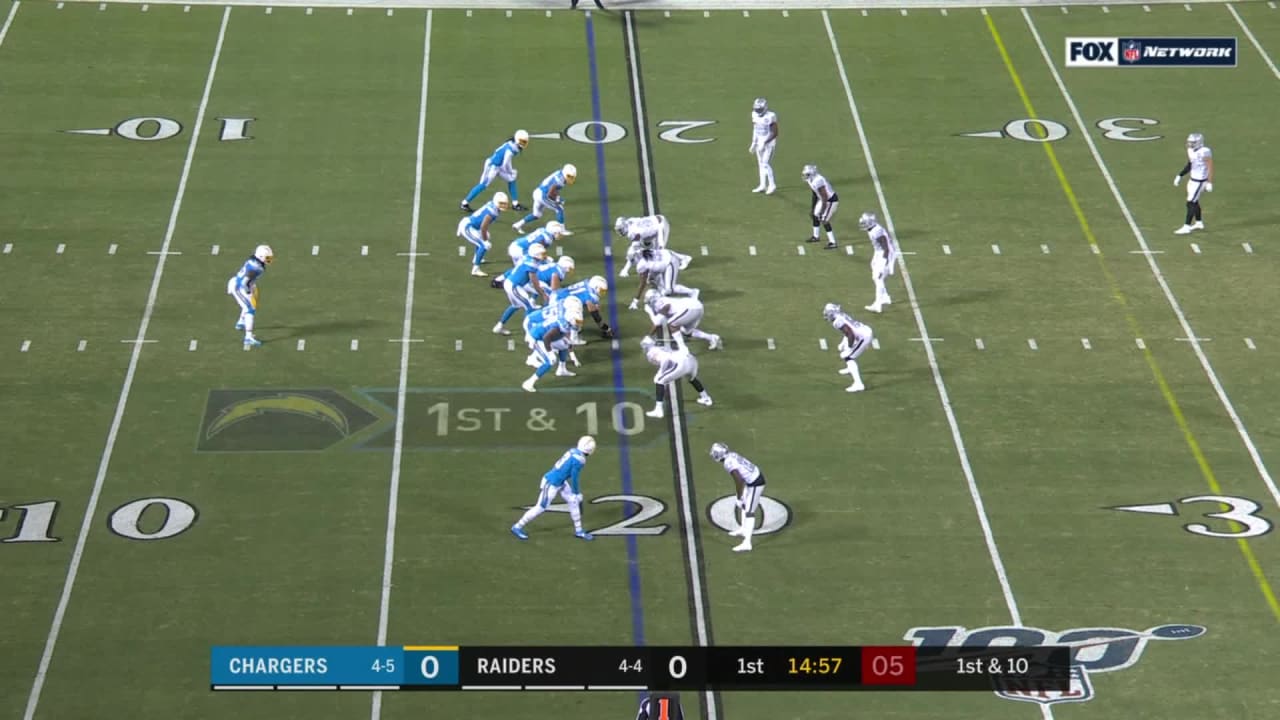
(350, 11)
(462, 251)
(904, 12)
(548, 13)
(80, 346)
(946, 249)
(215, 250)
(944, 12)
(559, 251)
(772, 345)
(302, 345)
(608, 251)
(268, 11)
(848, 249)
(1248, 342)
(984, 11)
(1195, 248)
(799, 249)
(26, 345)
(1044, 249)
(468, 13)
(704, 251)
(1095, 249)
(308, 11)
(8, 248)
(706, 13)
(864, 13)
(364, 250)
(60, 5)
(1084, 342)
(511, 345)
(1106, 9)
(995, 248)
(1142, 344)
(787, 14)
(1272, 5)
(191, 347)
(390, 12)
(102, 6)
(111, 249)
(145, 7)
(979, 344)
(62, 247)
(615, 345)
(822, 343)
(1247, 247)
(1146, 8)
(186, 8)
(508, 13)
(751, 249)
(666, 13)
(1063, 8)
(457, 346)
(875, 343)
(355, 344)
(1031, 343)
(315, 250)
(1187, 6)
(746, 13)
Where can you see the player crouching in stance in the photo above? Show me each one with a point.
(855, 341)
(1200, 166)
(552, 339)
(650, 231)
(680, 315)
(561, 479)
(474, 228)
(750, 485)
(673, 365)
(243, 286)
(825, 204)
(884, 258)
(549, 196)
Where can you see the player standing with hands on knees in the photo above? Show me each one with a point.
(750, 485)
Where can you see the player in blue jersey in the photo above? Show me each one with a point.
(474, 228)
(549, 196)
(243, 287)
(522, 285)
(545, 236)
(562, 480)
(499, 163)
(552, 275)
(551, 341)
(589, 292)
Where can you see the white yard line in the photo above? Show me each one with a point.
(1249, 33)
(1155, 271)
(975, 494)
(8, 21)
(397, 454)
(91, 509)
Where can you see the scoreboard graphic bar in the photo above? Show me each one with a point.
(627, 668)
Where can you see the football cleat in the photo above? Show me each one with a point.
(240, 325)
(744, 546)
(522, 138)
(1197, 225)
(830, 246)
(477, 272)
(518, 227)
(583, 535)
(528, 385)
(518, 207)
(1184, 230)
(656, 412)
(811, 239)
(856, 387)
(465, 207)
(570, 173)
(563, 371)
(519, 532)
(252, 342)
(705, 400)
(867, 221)
(499, 330)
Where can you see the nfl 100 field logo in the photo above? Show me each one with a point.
(1110, 52)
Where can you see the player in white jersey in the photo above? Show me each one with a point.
(856, 338)
(680, 315)
(673, 365)
(1200, 167)
(884, 257)
(749, 482)
(650, 231)
(825, 203)
(243, 288)
(764, 136)
(658, 269)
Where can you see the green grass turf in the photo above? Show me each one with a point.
(883, 533)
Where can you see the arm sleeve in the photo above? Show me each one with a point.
(595, 315)
(573, 478)
(1185, 169)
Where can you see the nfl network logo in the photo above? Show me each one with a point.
(1097, 52)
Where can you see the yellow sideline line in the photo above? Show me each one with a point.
(1192, 444)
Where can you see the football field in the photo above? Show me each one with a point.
(1068, 434)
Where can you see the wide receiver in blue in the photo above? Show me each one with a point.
(561, 479)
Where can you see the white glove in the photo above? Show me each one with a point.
(624, 272)
(487, 245)
(752, 149)
(634, 304)
(574, 359)
(1177, 179)
(514, 173)
(1208, 187)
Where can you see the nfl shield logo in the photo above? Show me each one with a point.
(1132, 51)
(1080, 690)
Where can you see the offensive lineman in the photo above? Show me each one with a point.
(884, 257)
(680, 315)
(1200, 166)
(650, 231)
(672, 366)
(243, 287)
(750, 486)
(499, 163)
(764, 136)
(825, 203)
(855, 341)
(561, 479)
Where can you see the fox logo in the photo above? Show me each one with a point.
(1094, 650)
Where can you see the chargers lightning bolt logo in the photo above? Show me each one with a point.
(293, 403)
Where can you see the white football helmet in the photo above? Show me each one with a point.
(573, 309)
(619, 225)
(522, 138)
(651, 299)
(598, 285)
(830, 311)
(555, 228)
(867, 220)
(719, 451)
(1195, 141)
(566, 263)
(809, 172)
(647, 343)
(265, 254)
(586, 444)
(760, 106)
(501, 201)
(570, 173)
(537, 251)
